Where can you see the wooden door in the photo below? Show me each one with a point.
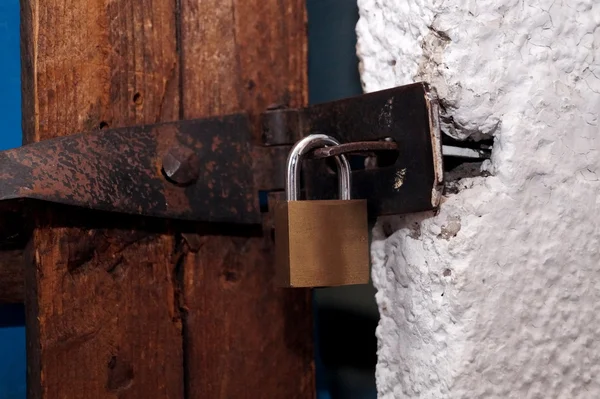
(125, 307)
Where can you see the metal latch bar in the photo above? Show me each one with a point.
(207, 170)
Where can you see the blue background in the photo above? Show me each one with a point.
(12, 332)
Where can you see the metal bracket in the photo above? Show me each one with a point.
(207, 170)
(406, 115)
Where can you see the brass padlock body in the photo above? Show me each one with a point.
(321, 243)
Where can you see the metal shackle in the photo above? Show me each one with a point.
(294, 162)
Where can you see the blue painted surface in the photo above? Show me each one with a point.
(10, 75)
(12, 363)
(12, 332)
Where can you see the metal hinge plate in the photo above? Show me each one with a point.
(209, 170)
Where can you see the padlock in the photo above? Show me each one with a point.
(323, 242)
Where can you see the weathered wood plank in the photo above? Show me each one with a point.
(12, 282)
(244, 337)
(102, 314)
(103, 310)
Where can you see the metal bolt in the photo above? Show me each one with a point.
(181, 165)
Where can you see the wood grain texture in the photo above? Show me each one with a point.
(102, 314)
(103, 295)
(245, 338)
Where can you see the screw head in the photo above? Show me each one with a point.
(181, 165)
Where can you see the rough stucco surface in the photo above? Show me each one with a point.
(498, 295)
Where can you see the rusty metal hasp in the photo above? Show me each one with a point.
(208, 169)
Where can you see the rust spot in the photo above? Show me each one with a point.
(121, 170)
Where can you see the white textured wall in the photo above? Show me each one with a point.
(497, 296)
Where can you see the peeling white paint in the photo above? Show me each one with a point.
(497, 296)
